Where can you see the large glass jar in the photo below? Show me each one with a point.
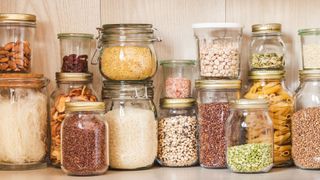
(249, 136)
(269, 85)
(84, 139)
(306, 120)
(213, 98)
(127, 51)
(17, 33)
(133, 127)
(24, 124)
(218, 46)
(71, 87)
(310, 47)
(267, 49)
(177, 133)
(75, 49)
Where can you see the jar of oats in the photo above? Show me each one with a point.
(127, 51)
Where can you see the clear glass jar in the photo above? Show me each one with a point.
(310, 48)
(177, 133)
(218, 46)
(133, 126)
(267, 49)
(178, 77)
(75, 49)
(127, 51)
(213, 98)
(71, 87)
(24, 124)
(17, 33)
(305, 121)
(249, 136)
(269, 85)
(84, 139)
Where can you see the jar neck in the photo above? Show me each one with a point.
(266, 35)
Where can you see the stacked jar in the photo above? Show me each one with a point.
(24, 126)
(218, 46)
(127, 62)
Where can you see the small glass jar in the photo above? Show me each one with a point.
(84, 139)
(24, 125)
(269, 85)
(127, 51)
(75, 49)
(249, 136)
(213, 98)
(131, 116)
(310, 47)
(218, 47)
(17, 33)
(178, 77)
(177, 133)
(305, 121)
(267, 49)
(71, 87)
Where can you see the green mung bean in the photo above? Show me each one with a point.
(267, 61)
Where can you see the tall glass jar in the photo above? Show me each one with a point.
(24, 124)
(310, 47)
(75, 49)
(17, 33)
(213, 98)
(127, 51)
(269, 85)
(177, 133)
(133, 127)
(84, 139)
(306, 120)
(218, 46)
(71, 87)
(267, 49)
(249, 136)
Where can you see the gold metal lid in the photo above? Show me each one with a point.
(249, 104)
(261, 74)
(22, 80)
(309, 74)
(174, 62)
(73, 77)
(266, 28)
(75, 35)
(17, 17)
(85, 106)
(177, 103)
(218, 84)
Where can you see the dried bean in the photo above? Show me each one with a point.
(267, 61)
(74, 63)
(178, 87)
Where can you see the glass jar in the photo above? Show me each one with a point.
(218, 46)
(17, 33)
(177, 133)
(84, 139)
(249, 136)
(213, 98)
(24, 125)
(127, 51)
(305, 121)
(267, 49)
(178, 77)
(310, 47)
(75, 49)
(133, 126)
(71, 87)
(269, 85)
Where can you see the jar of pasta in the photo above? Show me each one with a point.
(305, 121)
(213, 98)
(269, 85)
(71, 87)
(249, 137)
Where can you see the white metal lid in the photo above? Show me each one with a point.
(216, 25)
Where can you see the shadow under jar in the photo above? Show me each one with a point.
(126, 51)
(213, 98)
(17, 33)
(131, 116)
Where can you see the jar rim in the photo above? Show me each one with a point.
(266, 28)
(216, 25)
(218, 84)
(172, 62)
(249, 104)
(309, 74)
(73, 77)
(21, 80)
(309, 31)
(168, 103)
(75, 35)
(270, 74)
(85, 106)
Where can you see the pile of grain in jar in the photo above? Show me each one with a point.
(133, 138)
(311, 56)
(178, 87)
(177, 141)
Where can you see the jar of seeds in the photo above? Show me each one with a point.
(177, 133)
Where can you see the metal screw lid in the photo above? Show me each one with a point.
(266, 28)
(261, 74)
(177, 103)
(249, 104)
(218, 84)
(85, 106)
(73, 77)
